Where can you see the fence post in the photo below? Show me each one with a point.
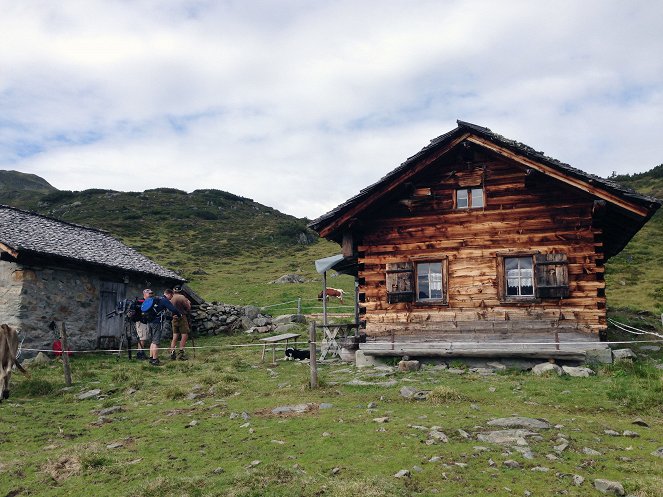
(299, 305)
(65, 356)
(312, 353)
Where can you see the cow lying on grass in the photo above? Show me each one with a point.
(8, 351)
(292, 354)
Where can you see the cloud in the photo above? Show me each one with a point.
(299, 105)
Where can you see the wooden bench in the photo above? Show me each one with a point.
(274, 341)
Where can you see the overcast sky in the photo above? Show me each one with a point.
(299, 104)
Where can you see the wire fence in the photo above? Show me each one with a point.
(311, 306)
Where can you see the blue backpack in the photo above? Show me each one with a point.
(148, 309)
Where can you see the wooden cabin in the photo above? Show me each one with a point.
(479, 237)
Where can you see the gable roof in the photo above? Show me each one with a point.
(638, 208)
(25, 233)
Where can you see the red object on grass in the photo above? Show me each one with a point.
(57, 348)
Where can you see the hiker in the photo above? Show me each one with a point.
(142, 328)
(180, 323)
(154, 309)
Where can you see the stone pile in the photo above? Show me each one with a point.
(213, 318)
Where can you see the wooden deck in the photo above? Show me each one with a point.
(561, 345)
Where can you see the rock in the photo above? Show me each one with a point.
(372, 405)
(612, 433)
(630, 434)
(455, 371)
(520, 422)
(296, 409)
(578, 372)
(547, 368)
(590, 452)
(506, 437)
(598, 356)
(289, 278)
(325, 405)
(362, 383)
(289, 318)
(650, 348)
(89, 394)
(437, 436)
(335, 471)
(658, 452)
(640, 422)
(384, 419)
(417, 469)
(540, 469)
(286, 328)
(463, 434)
(251, 311)
(407, 366)
(623, 355)
(510, 463)
(408, 392)
(578, 480)
(111, 410)
(40, 358)
(561, 447)
(115, 445)
(403, 473)
(609, 487)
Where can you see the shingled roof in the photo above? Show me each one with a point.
(29, 234)
(650, 203)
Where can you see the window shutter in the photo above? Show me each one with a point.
(400, 282)
(552, 276)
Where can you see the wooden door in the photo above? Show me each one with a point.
(109, 325)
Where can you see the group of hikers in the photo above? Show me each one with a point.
(150, 318)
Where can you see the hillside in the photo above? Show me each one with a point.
(17, 181)
(635, 276)
(229, 248)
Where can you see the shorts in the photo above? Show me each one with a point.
(155, 330)
(142, 330)
(180, 326)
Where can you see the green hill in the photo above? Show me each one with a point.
(635, 277)
(17, 181)
(229, 248)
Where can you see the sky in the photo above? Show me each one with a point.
(299, 104)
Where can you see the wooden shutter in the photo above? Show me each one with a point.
(400, 282)
(552, 276)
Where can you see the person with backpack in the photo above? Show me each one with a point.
(180, 324)
(154, 311)
(142, 328)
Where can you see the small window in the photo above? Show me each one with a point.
(469, 198)
(519, 272)
(429, 281)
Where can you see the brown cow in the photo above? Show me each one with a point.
(332, 292)
(8, 351)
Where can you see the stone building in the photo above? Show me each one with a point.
(54, 272)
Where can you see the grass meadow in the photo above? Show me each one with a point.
(205, 427)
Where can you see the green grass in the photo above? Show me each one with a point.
(53, 444)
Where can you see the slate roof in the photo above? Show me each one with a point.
(517, 147)
(29, 233)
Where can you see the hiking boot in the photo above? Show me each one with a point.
(155, 362)
(172, 355)
(181, 356)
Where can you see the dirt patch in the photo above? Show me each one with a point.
(63, 468)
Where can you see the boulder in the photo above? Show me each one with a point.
(578, 372)
(409, 366)
(623, 355)
(547, 368)
(289, 278)
(609, 487)
(520, 422)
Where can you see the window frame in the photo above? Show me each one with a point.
(444, 271)
(469, 198)
(502, 278)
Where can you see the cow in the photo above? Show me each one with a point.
(332, 292)
(8, 351)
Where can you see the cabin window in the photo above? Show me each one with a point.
(429, 281)
(519, 272)
(469, 198)
(420, 281)
(530, 276)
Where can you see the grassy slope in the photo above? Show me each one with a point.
(634, 278)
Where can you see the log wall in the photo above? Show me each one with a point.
(524, 211)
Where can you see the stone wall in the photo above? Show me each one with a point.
(10, 294)
(215, 318)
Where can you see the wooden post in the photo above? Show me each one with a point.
(324, 298)
(65, 356)
(312, 351)
(299, 305)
